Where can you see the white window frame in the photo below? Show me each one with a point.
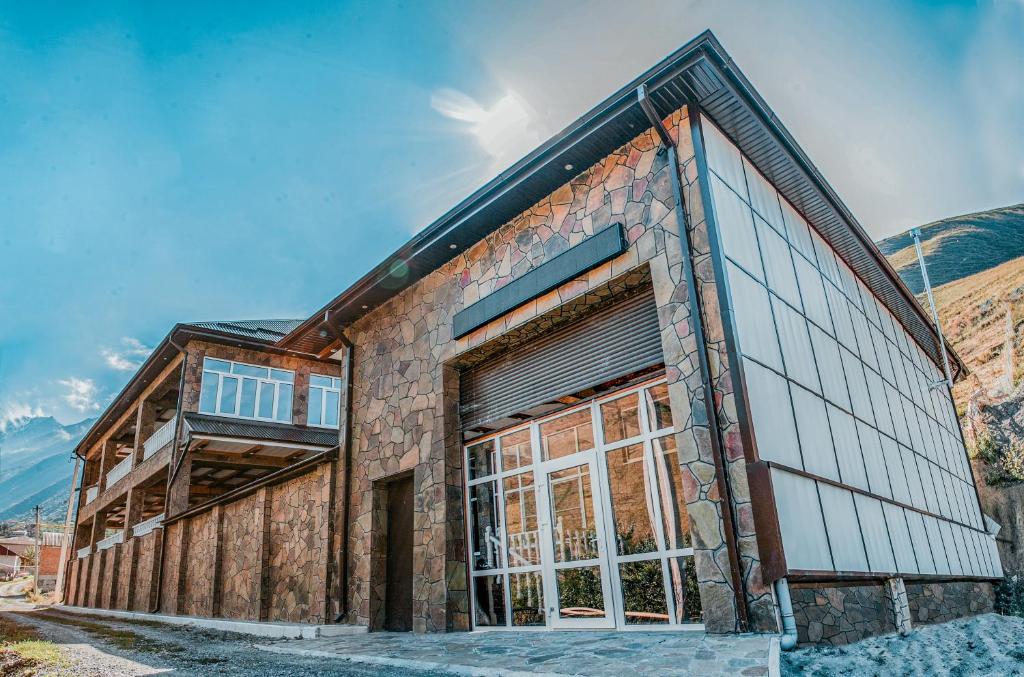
(261, 382)
(600, 489)
(335, 388)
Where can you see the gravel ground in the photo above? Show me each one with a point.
(150, 648)
(983, 645)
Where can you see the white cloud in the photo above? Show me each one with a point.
(15, 412)
(128, 357)
(81, 394)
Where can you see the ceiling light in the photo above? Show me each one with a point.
(452, 246)
(568, 166)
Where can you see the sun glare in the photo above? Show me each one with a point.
(506, 130)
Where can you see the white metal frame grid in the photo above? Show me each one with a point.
(608, 559)
(276, 384)
(334, 388)
(904, 369)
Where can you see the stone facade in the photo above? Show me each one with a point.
(941, 602)
(298, 548)
(170, 575)
(405, 403)
(241, 558)
(840, 615)
(145, 582)
(200, 560)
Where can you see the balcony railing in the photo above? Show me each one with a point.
(143, 528)
(120, 470)
(91, 493)
(110, 541)
(84, 552)
(160, 438)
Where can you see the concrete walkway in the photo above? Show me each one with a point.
(514, 654)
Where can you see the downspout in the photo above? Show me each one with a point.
(721, 468)
(177, 431)
(788, 640)
(345, 432)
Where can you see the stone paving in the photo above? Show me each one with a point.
(511, 653)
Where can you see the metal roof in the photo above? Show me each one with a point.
(218, 426)
(701, 71)
(270, 331)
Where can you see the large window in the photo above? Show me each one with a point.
(578, 520)
(840, 393)
(324, 400)
(246, 391)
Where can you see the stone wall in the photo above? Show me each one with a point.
(111, 568)
(298, 548)
(94, 597)
(200, 561)
(405, 400)
(171, 572)
(242, 562)
(126, 563)
(840, 614)
(1005, 505)
(74, 570)
(147, 556)
(941, 602)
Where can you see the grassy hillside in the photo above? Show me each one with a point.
(959, 247)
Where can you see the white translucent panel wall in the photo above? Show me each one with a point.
(838, 389)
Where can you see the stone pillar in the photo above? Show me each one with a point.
(136, 501)
(898, 606)
(178, 491)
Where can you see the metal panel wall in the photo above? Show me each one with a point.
(615, 341)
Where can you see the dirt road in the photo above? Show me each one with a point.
(104, 647)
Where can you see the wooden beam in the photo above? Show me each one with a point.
(236, 461)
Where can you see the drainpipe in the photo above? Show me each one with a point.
(345, 432)
(788, 639)
(721, 467)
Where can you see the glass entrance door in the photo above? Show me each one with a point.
(576, 571)
(578, 520)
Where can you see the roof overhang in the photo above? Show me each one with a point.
(227, 434)
(165, 351)
(702, 73)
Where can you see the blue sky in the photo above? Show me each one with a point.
(164, 162)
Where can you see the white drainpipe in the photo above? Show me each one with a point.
(788, 640)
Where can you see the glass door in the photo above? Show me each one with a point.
(576, 566)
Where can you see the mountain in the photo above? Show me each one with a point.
(36, 465)
(959, 246)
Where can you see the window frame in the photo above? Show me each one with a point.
(261, 382)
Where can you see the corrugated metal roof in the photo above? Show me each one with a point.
(270, 331)
(218, 426)
(700, 71)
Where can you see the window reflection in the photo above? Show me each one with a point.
(490, 600)
(516, 450)
(484, 524)
(481, 459)
(632, 509)
(572, 514)
(658, 410)
(527, 591)
(620, 419)
(669, 475)
(643, 592)
(521, 521)
(579, 593)
(567, 435)
(682, 576)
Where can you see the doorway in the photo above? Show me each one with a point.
(398, 586)
(577, 519)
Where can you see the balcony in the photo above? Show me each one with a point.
(120, 470)
(110, 541)
(84, 552)
(143, 528)
(163, 436)
(91, 493)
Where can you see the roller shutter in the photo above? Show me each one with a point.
(615, 341)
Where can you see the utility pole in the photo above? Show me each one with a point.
(39, 554)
